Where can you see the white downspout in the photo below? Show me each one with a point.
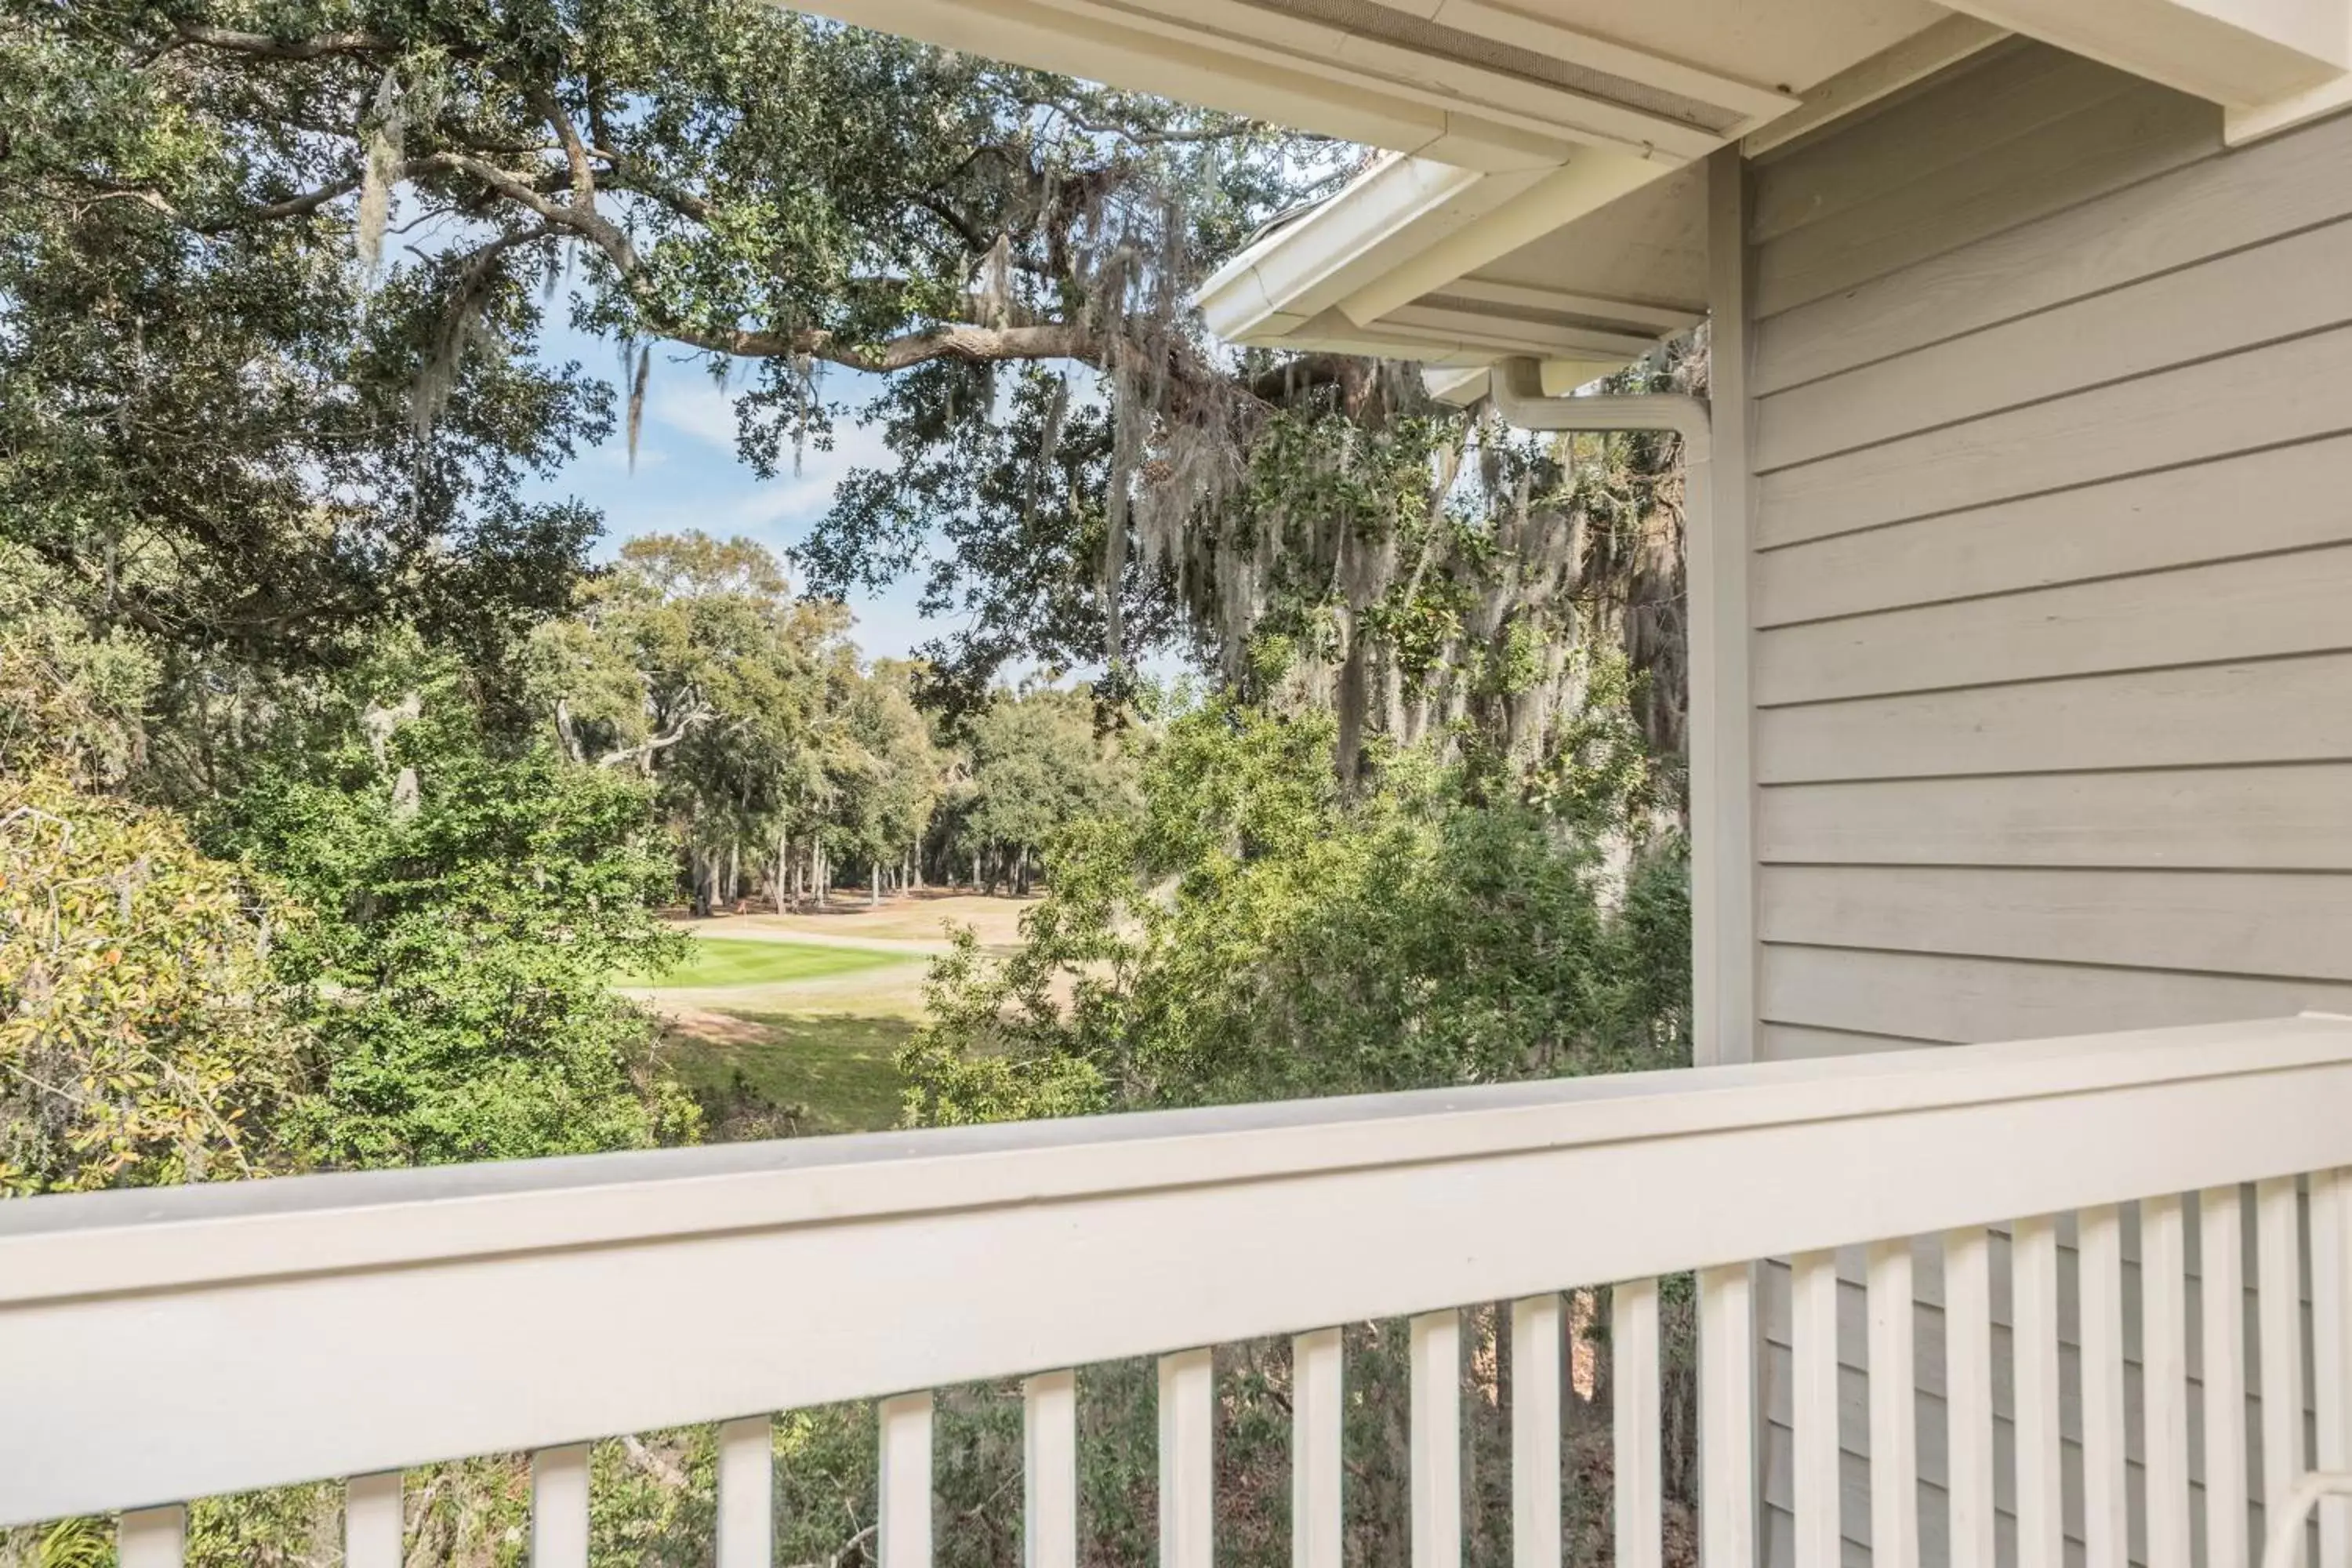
(1517, 387)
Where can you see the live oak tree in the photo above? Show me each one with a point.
(724, 177)
(207, 423)
(385, 197)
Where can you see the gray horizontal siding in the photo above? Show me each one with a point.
(2052, 470)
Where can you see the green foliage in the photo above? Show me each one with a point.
(1259, 934)
(1256, 931)
(196, 203)
(143, 1037)
(206, 422)
(1036, 766)
(472, 907)
(693, 666)
(71, 700)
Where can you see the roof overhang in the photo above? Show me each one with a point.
(1540, 197)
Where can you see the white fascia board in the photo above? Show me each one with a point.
(1399, 207)
(1461, 387)
(1590, 179)
(1334, 279)
(1439, 353)
(2245, 54)
(2242, 125)
(1427, 353)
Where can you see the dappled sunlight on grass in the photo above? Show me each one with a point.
(776, 1075)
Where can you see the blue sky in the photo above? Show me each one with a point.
(689, 476)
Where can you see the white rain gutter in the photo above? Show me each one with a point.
(1516, 388)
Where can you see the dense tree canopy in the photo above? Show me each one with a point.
(1254, 933)
(187, 188)
(382, 200)
(359, 784)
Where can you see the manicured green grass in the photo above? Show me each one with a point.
(725, 961)
(826, 1074)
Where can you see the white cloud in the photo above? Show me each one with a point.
(694, 406)
(789, 495)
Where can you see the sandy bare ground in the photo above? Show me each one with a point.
(914, 922)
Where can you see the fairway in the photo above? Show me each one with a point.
(721, 962)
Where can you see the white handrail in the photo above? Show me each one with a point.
(157, 1346)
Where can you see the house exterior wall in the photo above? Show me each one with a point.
(2051, 590)
(2049, 486)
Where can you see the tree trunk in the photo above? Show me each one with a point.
(1021, 873)
(784, 857)
(874, 898)
(975, 872)
(823, 873)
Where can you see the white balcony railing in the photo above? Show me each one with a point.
(163, 1345)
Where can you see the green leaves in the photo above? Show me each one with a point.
(1257, 935)
(143, 1037)
(473, 908)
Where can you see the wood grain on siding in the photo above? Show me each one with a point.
(2217, 306)
(1789, 1042)
(2113, 142)
(2022, 89)
(2258, 818)
(2219, 204)
(2289, 709)
(2248, 922)
(2197, 413)
(1966, 1000)
(2268, 607)
(2285, 498)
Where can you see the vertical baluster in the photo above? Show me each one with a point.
(371, 1523)
(747, 1486)
(1317, 1455)
(1633, 1384)
(2033, 1279)
(2331, 1206)
(903, 1539)
(1726, 1417)
(153, 1538)
(559, 1507)
(1813, 1424)
(1968, 1392)
(2164, 1375)
(1535, 1432)
(2220, 1241)
(1437, 1440)
(1188, 1501)
(2279, 1273)
(1049, 1470)
(2100, 1259)
(1893, 1426)
(2329, 1200)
